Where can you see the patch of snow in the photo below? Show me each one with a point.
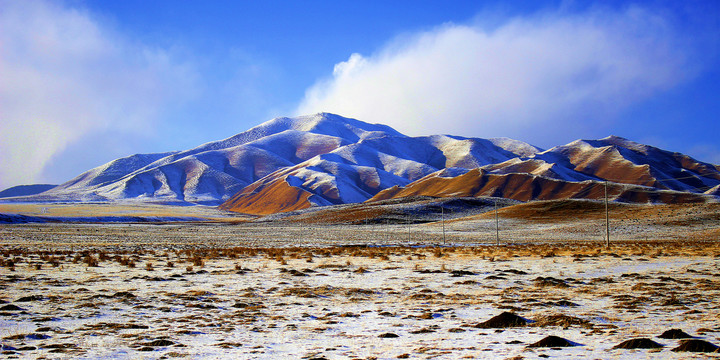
(517, 147)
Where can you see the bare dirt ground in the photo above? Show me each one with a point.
(381, 291)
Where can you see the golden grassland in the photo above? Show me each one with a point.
(80, 211)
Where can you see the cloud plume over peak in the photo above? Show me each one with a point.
(526, 78)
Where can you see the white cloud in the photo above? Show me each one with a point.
(65, 77)
(549, 76)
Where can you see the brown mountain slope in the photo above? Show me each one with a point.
(383, 168)
(526, 187)
(268, 198)
(620, 160)
(571, 210)
(608, 163)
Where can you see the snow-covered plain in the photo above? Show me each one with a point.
(247, 291)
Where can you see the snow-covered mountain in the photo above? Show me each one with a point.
(636, 173)
(477, 167)
(212, 172)
(329, 146)
(322, 159)
(356, 172)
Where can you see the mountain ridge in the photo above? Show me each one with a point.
(291, 163)
(25, 190)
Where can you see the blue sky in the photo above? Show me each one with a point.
(85, 82)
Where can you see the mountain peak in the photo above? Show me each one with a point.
(332, 124)
(324, 124)
(625, 143)
(615, 138)
(612, 140)
(326, 158)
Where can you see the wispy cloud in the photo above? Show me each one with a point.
(551, 76)
(65, 77)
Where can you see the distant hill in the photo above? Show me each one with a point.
(25, 190)
(323, 159)
(579, 170)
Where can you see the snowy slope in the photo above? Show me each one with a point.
(579, 170)
(212, 172)
(333, 158)
(620, 160)
(296, 162)
(357, 172)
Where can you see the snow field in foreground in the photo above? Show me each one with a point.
(184, 300)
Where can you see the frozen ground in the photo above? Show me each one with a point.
(267, 292)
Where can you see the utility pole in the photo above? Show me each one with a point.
(408, 223)
(442, 212)
(607, 218)
(497, 226)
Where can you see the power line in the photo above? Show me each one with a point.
(607, 218)
(442, 209)
(650, 189)
(666, 179)
(497, 226)
(627, 181)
